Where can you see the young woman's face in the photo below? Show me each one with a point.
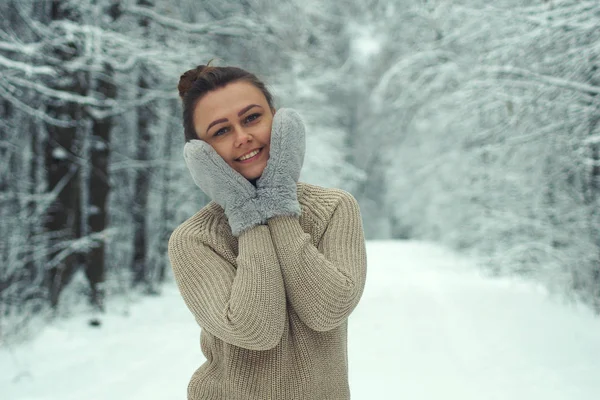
(236, 121)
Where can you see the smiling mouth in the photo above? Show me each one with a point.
(250, 156)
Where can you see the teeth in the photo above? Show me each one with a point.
(249, 155)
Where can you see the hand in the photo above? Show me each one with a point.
(224, 185)
(277, 184)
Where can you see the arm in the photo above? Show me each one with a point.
(245, 307)
(323, 288)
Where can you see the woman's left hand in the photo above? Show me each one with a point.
(277, 184)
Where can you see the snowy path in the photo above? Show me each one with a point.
(428, 327)
(438, 330)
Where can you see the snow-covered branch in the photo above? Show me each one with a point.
(62, 95)
(125, 106)
(579, 16)
(22, 48)
(234, 26)
(425, 57)
(549, 80)
(80, 245)
(557, 8)
(28, 69)
(142, 164)
(37, 113)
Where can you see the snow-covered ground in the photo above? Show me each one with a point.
(428, 327)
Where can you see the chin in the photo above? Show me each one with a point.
(250, 175)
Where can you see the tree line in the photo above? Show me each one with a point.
(471, 124)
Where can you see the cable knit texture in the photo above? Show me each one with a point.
(273, 303)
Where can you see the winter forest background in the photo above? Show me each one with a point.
(469, 123)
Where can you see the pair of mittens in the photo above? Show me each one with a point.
(275, 193)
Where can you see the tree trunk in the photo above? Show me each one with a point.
(141, 184)
(63, 217)
(140, 197)
(595, 192)
(98, 189)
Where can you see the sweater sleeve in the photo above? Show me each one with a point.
(323, 288)
(243, 306)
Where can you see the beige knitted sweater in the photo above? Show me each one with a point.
(273, 304)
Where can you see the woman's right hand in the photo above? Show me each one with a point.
(223, 185)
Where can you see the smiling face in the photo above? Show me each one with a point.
(236, 121)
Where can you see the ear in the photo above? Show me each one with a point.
(273, 110)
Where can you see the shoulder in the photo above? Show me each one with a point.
(321, 197)
(209, 222)
(200, 237)
(320, 202)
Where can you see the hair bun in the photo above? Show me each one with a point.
(186, 80)
(190, 76)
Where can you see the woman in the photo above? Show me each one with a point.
(271, 268)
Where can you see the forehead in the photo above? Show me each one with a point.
(226, 102)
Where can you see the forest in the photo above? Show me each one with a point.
(467, 123)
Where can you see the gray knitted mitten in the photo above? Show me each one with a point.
(223, 185)
(277, 184)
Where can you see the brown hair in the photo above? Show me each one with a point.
(196, 82)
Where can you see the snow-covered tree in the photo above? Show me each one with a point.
(498, 112)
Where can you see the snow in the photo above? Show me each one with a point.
(59, 153)
(100, 145)
(429, 326)
(365, 43)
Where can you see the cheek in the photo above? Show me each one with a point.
(221, 150)
(267, 130)
(262, 133)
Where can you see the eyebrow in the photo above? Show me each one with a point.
(242, 111)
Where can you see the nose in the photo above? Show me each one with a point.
(242, 136)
